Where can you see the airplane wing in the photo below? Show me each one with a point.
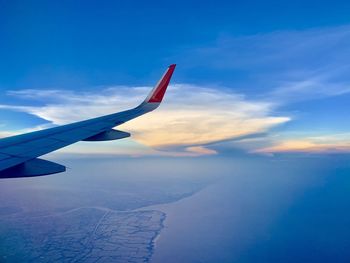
(18, 154)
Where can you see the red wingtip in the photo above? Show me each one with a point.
(158, 92)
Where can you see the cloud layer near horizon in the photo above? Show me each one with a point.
(323, 144)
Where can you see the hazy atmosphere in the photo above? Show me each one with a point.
(246, 159)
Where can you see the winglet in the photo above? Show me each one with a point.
(157, 94)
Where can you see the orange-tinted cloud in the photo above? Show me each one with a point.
(336, 143)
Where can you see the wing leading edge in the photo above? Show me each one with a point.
(18, 154)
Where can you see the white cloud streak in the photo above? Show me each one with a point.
(291, 65)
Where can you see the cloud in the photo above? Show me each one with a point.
(288, 65)
(196, 115)
(200, 150)
(191, 116)
(308, 89)
(278, 50)
(334, 143)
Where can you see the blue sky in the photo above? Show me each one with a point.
(278, 69)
